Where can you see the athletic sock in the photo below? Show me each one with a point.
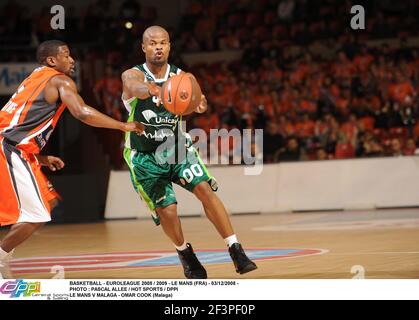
(231, 240)
(182, 247)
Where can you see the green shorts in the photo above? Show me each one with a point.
(152, 179)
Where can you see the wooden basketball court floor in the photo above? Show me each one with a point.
(385, 243)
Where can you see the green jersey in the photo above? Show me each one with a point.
(151, 177)
(159, 123)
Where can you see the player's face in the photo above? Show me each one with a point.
(64, 62)
(157, 48)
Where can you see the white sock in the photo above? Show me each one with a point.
(182, 247)
(3, 254)
(231, 240)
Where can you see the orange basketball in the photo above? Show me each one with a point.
(181, 94)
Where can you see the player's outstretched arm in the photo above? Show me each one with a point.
(134, 85)
(69, 96)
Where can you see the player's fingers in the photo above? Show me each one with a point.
(139, 128)
(59, 164)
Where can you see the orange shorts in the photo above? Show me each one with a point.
(25, 192)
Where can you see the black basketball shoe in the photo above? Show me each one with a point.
(192, 268)
(242, 263)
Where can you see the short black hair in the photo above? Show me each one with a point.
(48, 48)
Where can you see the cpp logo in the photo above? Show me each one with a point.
(20, 287)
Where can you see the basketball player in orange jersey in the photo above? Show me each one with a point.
(26, 123)
(153, 180)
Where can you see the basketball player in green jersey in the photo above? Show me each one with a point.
(152, 179)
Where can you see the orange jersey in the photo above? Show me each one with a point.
(27, 120)
(25, 193)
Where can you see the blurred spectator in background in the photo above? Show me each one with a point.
(321, 154)
(108, 90)
(272, 142)
(292, 152)
(410, 149)
(372, 148)
(396, 148)
(130, 10)
(344, 149)
(286, 10)
(252, 54)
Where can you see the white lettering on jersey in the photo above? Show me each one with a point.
(11, 106)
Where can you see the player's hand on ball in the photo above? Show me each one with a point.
(53, 163)
(135, 126)
(202, 107)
